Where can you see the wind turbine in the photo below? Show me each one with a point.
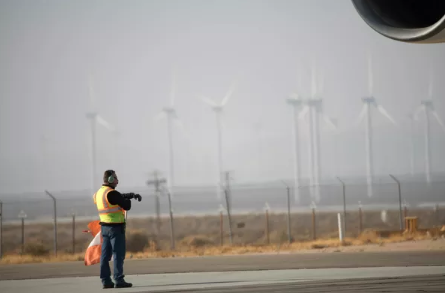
(295, 102)
(427, 106)
(169, 112)
(95, 119)
(368, 103)
(314, 109)
(218, 108)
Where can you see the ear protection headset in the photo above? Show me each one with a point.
(111, 177)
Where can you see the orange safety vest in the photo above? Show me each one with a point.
(108, 213)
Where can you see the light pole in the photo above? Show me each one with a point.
(55, 221)
(22, 215)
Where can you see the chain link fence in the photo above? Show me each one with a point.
(260, 214)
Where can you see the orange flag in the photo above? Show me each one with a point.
(93, 252)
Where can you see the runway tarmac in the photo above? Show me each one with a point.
(231, 263)
(309, 272)
(392, 279)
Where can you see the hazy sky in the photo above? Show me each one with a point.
(48, 48)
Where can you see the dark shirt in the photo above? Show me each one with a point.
(116, 198)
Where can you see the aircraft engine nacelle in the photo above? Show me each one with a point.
(411, 21)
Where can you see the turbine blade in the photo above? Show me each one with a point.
(313, 82)
(173, 90)
(417, 112)
(439, 120)
(370, 76)
(208, 101)
(180, 125)
(229, 93)
(92, 97)
(329, 121)
(321, 83)
(362, 114)
(298, 78)
(303, 112)
(386, 114)
(159, 116)
(430, 86)
(104, 123)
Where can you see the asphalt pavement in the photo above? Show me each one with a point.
(299, 272)
(231, 263)
(376, 279)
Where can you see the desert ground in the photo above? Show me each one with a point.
(196, 235)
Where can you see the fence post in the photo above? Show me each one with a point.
(22, 216)
(221, 223)
(267, 208)
(1, 229)
(172, 228)
(74, 233)
(228, 214)
(289, 235)
(314, 235)
(55, 221)
(400, 201)
(344, 204)
(360, 223)
(340, 227)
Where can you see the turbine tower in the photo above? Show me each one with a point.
(368, 103)
(295, 102)
(218, 108)
(169, 112)
(95, 119)
(314, 109)
(427, 106)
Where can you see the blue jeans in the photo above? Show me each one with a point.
(113, 245)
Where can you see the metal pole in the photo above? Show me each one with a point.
(288, 216)
(157, 204)
(221, 230)
(313, 224)
(1, 230)
(23, 236)
(344, 204)
(172, 229)
(360, 224)
(289, 236)
(55, 221)
(229, 194)
(228, 215)
(340, 232)
(400, 201)
(267, 227)
(74, 233)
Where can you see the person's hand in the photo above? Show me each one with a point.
(129, 195)
(138, 197)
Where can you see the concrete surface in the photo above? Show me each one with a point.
(429, 279)
(231, 263)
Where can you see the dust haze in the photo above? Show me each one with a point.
(130, 49)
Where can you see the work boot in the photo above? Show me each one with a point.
(123, 284)
(108, 285)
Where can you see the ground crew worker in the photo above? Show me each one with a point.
(111, 205)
